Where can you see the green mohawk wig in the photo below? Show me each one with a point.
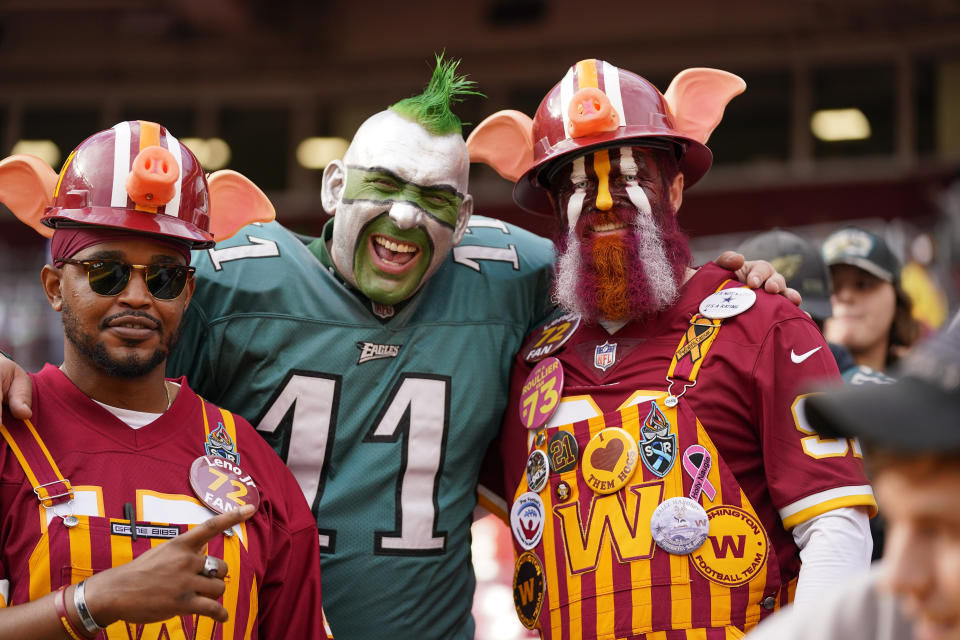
(431, 109)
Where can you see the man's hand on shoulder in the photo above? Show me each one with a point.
(758, 273)
(15, 388)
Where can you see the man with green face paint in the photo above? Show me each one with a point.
(375, 360)
(400, 199)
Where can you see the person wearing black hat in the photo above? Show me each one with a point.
(871, 312)
(802, 264)
(911, 443)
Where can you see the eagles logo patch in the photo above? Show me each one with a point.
(658, 448)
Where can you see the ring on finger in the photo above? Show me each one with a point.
(211, 566)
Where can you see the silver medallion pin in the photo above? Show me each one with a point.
(679, 525)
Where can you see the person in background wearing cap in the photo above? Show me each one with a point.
(801, 263)
(109, 492)
(871, 312)
(910, 432)
(375, 360)
(665, 485)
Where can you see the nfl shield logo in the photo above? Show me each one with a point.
(605, 355)
(381, 310)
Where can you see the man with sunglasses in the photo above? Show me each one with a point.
(116, 459)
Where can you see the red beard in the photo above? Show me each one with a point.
(625, 276)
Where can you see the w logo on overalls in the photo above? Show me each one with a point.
(659, 447)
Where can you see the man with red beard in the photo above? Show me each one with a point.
(666, 484)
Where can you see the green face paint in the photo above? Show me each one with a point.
(390, 274)
(380, 186)
(396, 169)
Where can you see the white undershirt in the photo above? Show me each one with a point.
(834, 546)
(133, 419)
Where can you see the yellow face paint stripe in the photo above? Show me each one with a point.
(601, 164)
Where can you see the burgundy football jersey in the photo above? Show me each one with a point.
(748, 398)
(273, 588)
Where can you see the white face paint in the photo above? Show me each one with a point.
(390, 144)
(629, 169)
(578, 178)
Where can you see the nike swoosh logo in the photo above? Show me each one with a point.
(797, 359)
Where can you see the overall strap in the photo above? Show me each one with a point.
(35, 459)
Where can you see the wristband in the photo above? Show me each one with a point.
(6, 355)
(81, 605)
(60, 603)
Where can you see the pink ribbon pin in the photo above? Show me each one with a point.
(699, 472)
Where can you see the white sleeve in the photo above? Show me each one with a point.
(834, 546)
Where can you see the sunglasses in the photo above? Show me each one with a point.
(110, 277)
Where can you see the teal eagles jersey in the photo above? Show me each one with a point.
(383, 421)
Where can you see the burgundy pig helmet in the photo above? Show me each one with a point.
(597, 105)
(136, 176)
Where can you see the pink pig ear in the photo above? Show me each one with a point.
(698, 97)
(27, 184)
(504, 141)
(234, 203)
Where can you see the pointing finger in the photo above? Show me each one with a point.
(198, 536)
